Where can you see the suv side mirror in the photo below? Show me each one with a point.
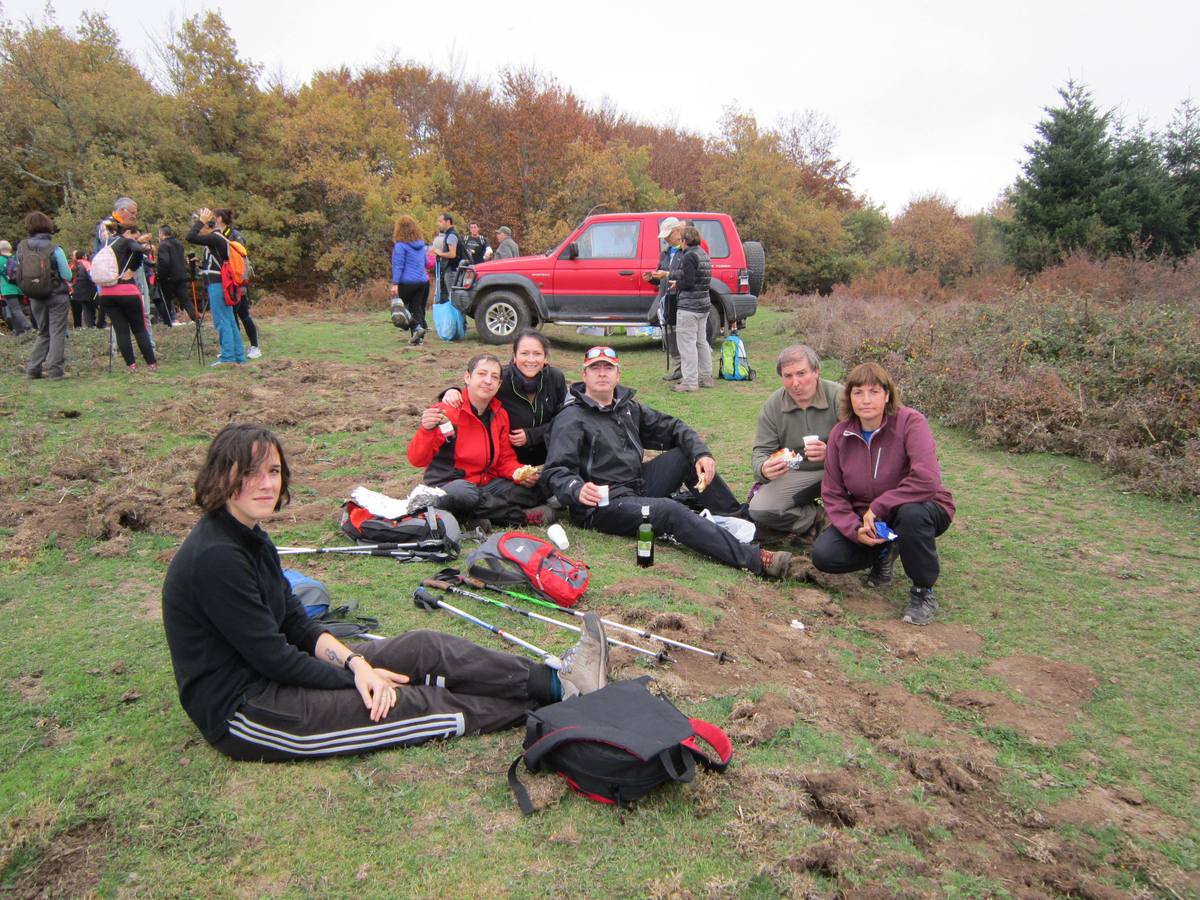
(572, 251)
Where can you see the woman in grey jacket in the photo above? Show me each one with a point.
(691, 272)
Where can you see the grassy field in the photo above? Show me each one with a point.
(1040, 739)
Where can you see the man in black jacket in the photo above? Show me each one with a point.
(595, 468)
(171, 271)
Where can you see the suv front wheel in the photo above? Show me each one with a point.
(499, 316)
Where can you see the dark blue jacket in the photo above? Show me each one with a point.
(408, 262)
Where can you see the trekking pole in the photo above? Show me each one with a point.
(660, 656)
(427, 601)
(720, 655)
(430, 545)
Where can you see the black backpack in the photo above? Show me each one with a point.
(37, 276)
(616, 744)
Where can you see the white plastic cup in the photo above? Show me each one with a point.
(556, 533)
(811, 439)
(603, 489)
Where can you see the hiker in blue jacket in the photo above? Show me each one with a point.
(410, 280)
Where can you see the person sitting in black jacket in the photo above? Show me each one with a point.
(263, 681)
(595, 469)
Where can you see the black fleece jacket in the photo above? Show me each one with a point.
(605, 444)
(536, 415)
(233, 624)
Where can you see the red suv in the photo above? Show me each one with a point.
(594, 277)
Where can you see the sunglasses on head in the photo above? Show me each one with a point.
(597, 352)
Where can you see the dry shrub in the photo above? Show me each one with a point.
(1105, 366)
(894, 283)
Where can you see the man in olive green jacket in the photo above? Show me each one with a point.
(798, 418)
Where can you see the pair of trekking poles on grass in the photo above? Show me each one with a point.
(446, 581)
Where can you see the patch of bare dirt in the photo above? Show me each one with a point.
(1052, 695)
(1103, 807)
(758, 721)
(29, 687)
(70, 864)
(939, 639)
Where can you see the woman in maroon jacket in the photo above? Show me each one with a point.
(882, 476)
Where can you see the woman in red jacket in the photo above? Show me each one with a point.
(882, 478)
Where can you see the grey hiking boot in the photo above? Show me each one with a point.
(424, 496)
(883, 570)
(774, 563)
(585, 666)
(922, 605)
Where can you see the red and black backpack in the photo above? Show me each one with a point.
(514, 558)
(617, 744)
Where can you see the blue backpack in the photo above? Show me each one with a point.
(312, 594)
(735, 366)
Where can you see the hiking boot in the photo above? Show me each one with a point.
(418, 337)
(708, 384)
(774, 563)
(672, 376)
(585, 666)
(540, 515)
(883, 570)
(922, 605)
(685, 388)
(253, 353)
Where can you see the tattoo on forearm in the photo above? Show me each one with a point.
(332, 654)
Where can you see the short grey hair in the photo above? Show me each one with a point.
(124, 203)
(796, 353)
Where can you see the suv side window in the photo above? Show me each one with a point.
(610, 240)
(714, 236)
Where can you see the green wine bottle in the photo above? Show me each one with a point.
(645, 540)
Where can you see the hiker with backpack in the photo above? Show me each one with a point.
(114, 269)
(83, 291)
(410, 282)
(42, 275)
(883, 491)
(10, 294)
(595, 467)
(211, 230)
(264, 682)
(467, 452)
(788, 459)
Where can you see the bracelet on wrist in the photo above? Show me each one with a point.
(346, 664)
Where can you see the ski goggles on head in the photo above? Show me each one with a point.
(601, 354)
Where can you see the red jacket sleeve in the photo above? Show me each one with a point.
(924, 474)
(833, 492)
(425, 444)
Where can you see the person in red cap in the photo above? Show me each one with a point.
(595, 468)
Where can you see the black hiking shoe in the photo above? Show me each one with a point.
(585, 666)
(418, 337)
(539, 515)
(883, 570)
(922, 605)
(774, 563)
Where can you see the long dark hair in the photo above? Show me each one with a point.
(236, 451)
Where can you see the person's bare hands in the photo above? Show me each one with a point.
(432, 418)
(377, 687)
(773, 468)
(814, 451)
(589, 494)
(518, 438)
(453, 397)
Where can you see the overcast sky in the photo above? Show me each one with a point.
(925, 96)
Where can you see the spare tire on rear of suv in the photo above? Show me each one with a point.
(500, 315)
(756, 262)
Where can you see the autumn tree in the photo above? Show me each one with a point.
(936, 237)
(751, 178)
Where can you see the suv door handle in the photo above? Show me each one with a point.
(625, 272)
